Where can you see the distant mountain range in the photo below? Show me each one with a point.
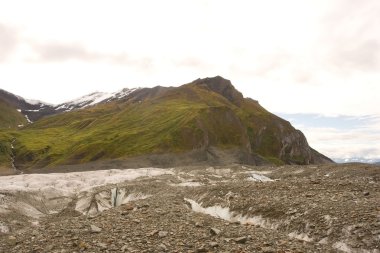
(206, 120)
(33, 110)
(357, 160)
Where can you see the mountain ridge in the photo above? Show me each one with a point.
(204, 117)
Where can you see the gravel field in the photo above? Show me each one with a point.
(325, 208)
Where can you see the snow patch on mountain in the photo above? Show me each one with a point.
(93, 99)
(27, 118)
(33, 101)
(84, 101)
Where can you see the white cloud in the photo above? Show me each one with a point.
(341, 136)
(8, 41)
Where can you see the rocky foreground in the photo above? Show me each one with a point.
(327, 208)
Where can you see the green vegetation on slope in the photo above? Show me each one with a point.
(10, 117)
(170, 124)
(190, 117)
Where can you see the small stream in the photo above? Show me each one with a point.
(17, 171)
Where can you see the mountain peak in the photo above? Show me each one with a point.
(221, 86)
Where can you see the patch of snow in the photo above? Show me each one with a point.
(85, 101)
(342, 247)
(99, 97)
(35, 195)
(4, 228)
(189, 184)
(19, 110)
(91, 203)
(300, 236)
(32, 110)
(225, 214)
(35, 102)
(259, 178)
(27, 209)
(324, 241)
(134, 197)
(35, 223)
(62, 106)
(76, 181)
(122, 93)
(94, 98)
(261, 172)
(27, 118)
(219, 172)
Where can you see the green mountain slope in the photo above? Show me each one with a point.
(203, 115)
(10, 117)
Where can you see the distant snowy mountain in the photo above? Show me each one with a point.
(31, 109)
(35, 109)
(357, 160)
(93, 99)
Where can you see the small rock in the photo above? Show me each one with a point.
(267, 250)
(214, 231)
(324, 240)
(162, 234)
(198, 224)
(12, 240)
(153, 233)
(366, 193)
(82, 245)
(129, 207)
(95, 229)
(242, 239)
(102, 245)
(162, 247)
(214, 244)
(49, 247)
(11, 237)
(202, 249)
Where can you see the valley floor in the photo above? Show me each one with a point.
(326, 208)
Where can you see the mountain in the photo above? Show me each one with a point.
(9, 117)
(357, 160)
(32, 110)
(206, 120)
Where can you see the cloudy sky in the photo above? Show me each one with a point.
(316, 63)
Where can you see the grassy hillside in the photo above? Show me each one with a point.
(190, 117)
(10, 117)
(173, 123)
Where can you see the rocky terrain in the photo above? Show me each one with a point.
(315, 208)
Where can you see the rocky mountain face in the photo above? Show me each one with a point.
(31, 109)
(204, 121)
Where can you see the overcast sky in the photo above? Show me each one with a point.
(318, 57)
